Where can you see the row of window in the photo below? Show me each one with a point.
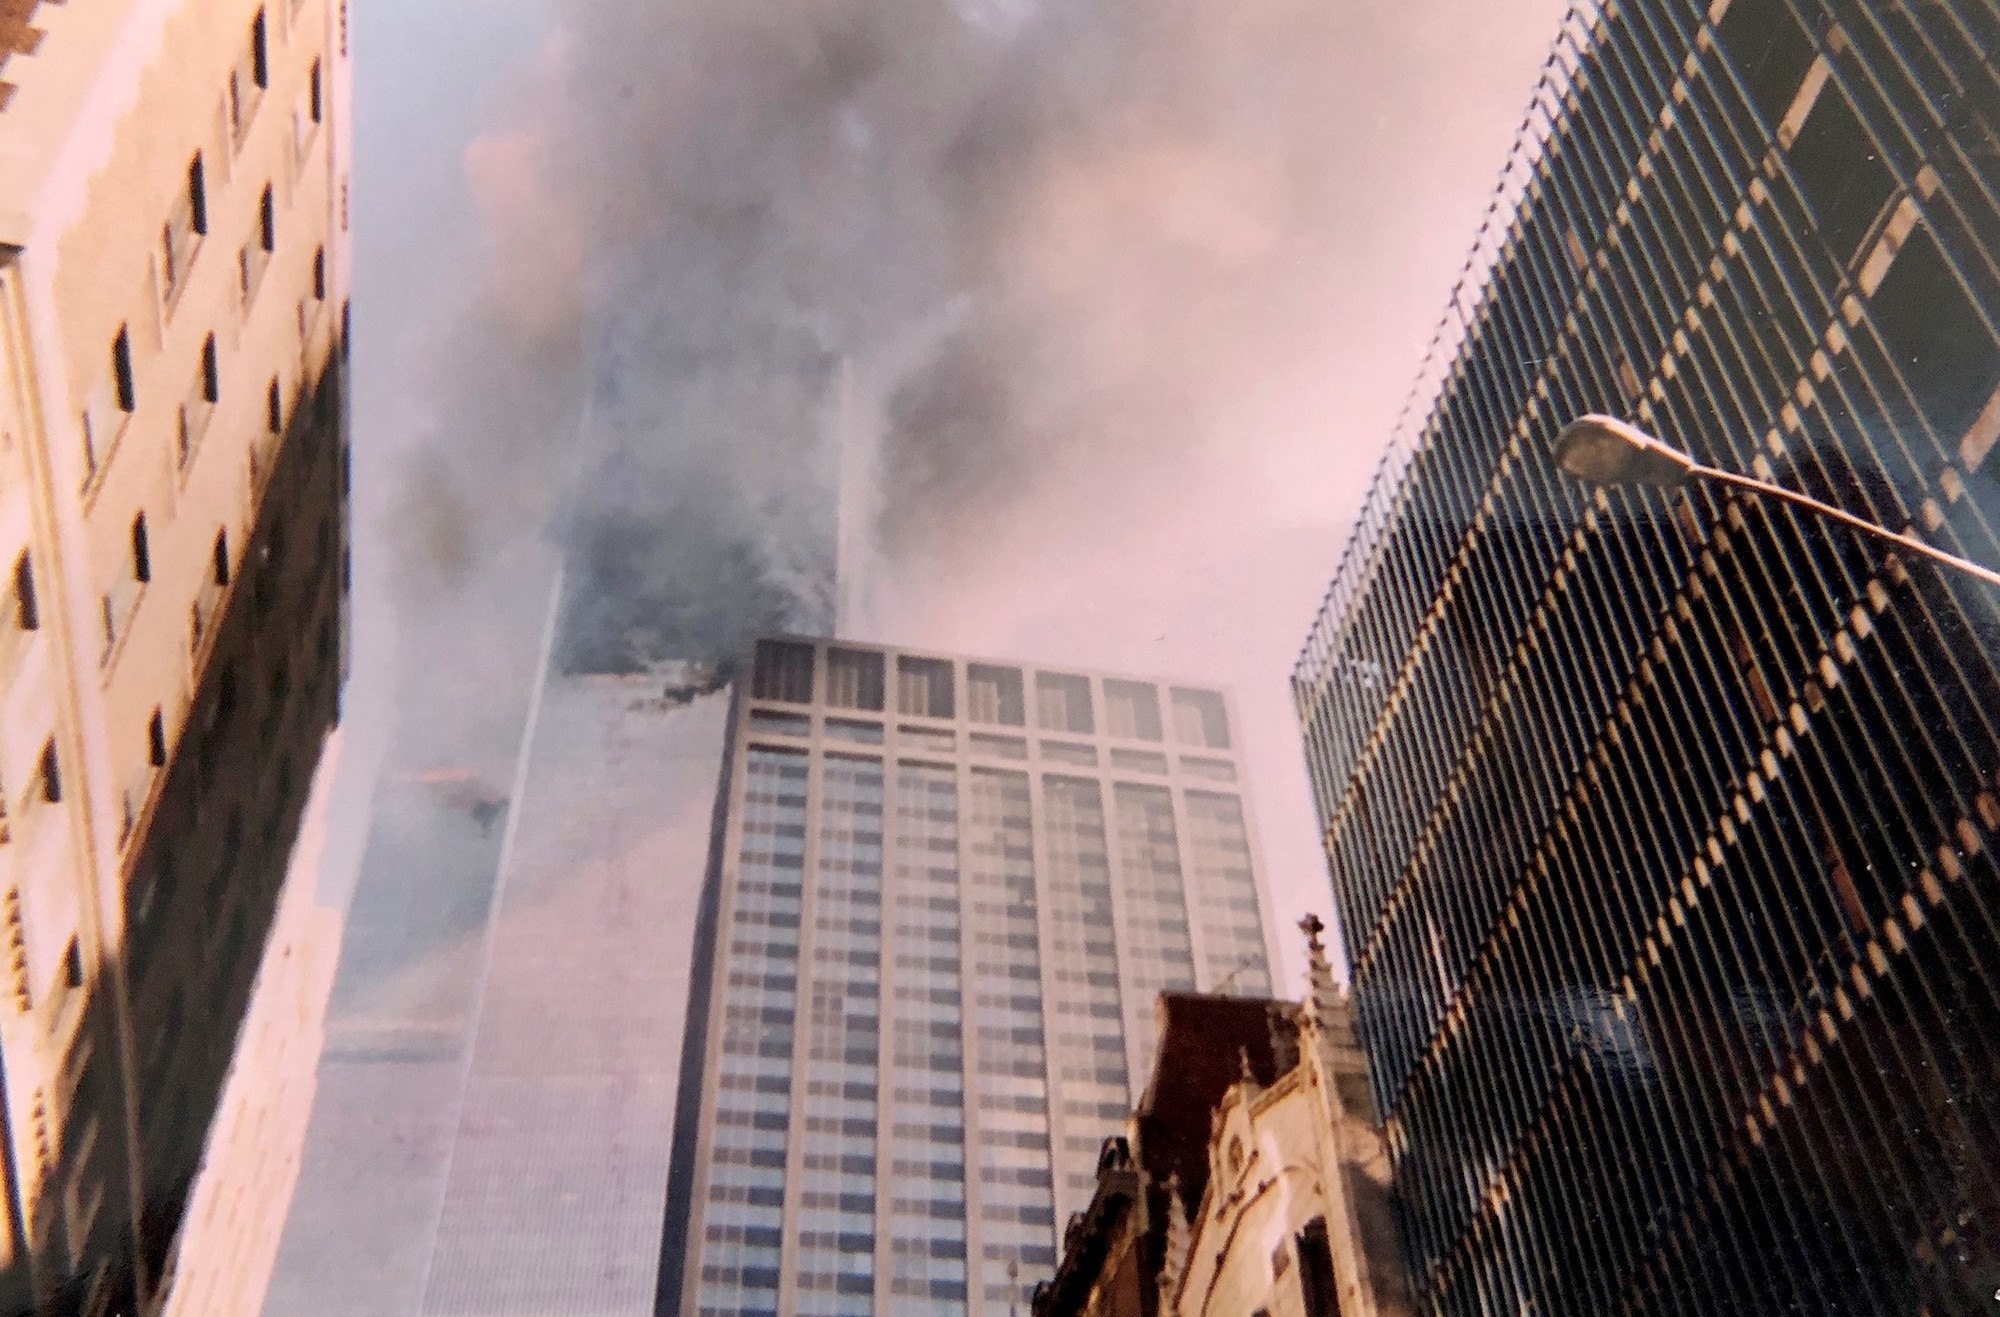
(925, 688)
(180, 241)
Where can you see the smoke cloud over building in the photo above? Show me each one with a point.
(1012, 243)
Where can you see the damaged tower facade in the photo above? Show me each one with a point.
(455, 1018)
(943, 896)
(601, 869)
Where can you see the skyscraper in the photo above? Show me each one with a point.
(682, 540)
(453, 1026)
(173, 632)
(1661, 823)
(943, 895)
(556, 1170)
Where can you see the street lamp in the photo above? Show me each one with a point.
(1607, 451)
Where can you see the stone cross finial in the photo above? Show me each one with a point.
(1319, 972)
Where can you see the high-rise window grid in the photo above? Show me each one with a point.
(1011, 1153)
(1659, 825)
(836, 1271)
(1156, 922)
(740, 1249)
(926, 1181)
(1087, 1065)
(1218, 844)
(939, 900)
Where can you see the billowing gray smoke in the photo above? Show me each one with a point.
(970, 244)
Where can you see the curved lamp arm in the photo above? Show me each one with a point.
(1605, 450)
(1862, 524)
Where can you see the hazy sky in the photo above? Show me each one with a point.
(1202, 259)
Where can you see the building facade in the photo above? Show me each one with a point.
(1252, 1179)
(1662, 823)
(1294, 1216)
(172, 639)
(942, 898)
(555, 1181)
(236, 1210)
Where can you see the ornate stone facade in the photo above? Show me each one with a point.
(1253, 1178)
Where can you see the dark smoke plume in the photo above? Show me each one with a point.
(937, 252)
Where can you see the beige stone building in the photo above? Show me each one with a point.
(1295, 1219)
(237, 1210)
(1252, 1180)
(173, 472)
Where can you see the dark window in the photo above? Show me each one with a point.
(1771, 52)
(211, 377)
(142, 550)
(156, 740)
(1200, 719)
(1062, 703)
(50, 771)
(225, 694)
(854, 679)
(274, 407)
(198, 194)
(924, 687)
(221, 563)
(315, 93)
(267, 221)
(994, 695)
(783, 670)
(1840, 173)
(1132, 709)
(27, 612)
(260, 57)
(121, 370)
(1939, 342)
(319, 275)
(73, 964)
(1316, 1282)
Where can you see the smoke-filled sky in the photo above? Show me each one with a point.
(1113, 302)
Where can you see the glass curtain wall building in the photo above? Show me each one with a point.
(943, 897)
(1662, 823)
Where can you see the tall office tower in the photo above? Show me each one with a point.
(556, 1167)
(599, 747)
(173, 525)
(1662, 822)
(942, 898)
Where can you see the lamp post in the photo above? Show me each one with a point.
(1607, 451)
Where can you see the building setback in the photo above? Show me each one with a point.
(1661, 824)
(942, 898)
(173, 532)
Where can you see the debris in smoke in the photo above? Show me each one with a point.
(687, 682)
(462, 790)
